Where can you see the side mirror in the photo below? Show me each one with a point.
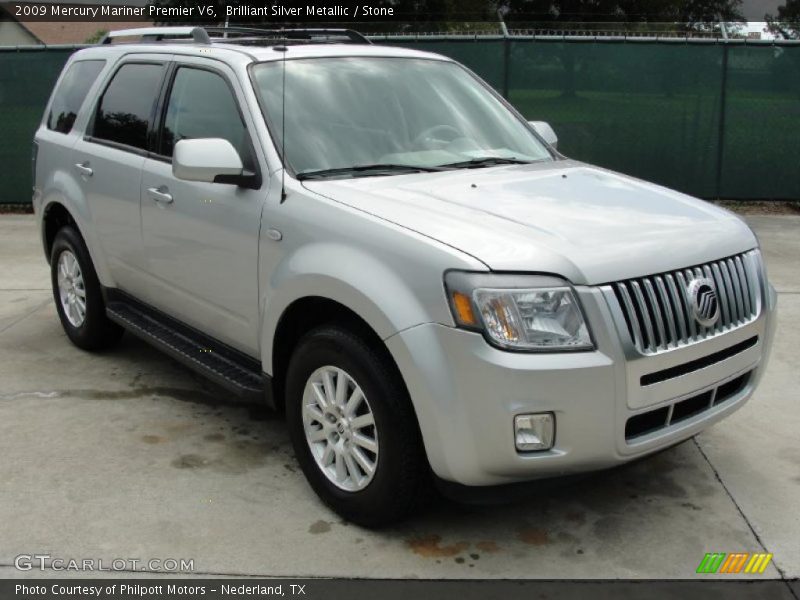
(206, 159)
(543, 129)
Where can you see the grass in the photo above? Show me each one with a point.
(16, 209)
(760, 207)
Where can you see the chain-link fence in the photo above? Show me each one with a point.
(710, 118)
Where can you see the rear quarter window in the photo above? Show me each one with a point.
(125, 111)
(71, 93)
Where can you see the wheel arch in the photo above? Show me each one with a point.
(56, 213)
(304, 314)
(55, 216)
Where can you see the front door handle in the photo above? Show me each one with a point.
(84, 169)
(160, 194)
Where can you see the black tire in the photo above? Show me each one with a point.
(401, 475)
(96, 332)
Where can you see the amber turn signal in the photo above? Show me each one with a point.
(463, 309)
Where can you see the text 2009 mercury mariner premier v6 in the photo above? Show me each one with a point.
(374, 241)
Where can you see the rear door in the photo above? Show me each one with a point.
(56, 133)
(109, 160)
(201, 239)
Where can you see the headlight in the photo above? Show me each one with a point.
(519, 312)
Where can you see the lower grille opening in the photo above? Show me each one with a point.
(654, 420)
(691, 406)
(700, 363)
(645, 423)
(728, 390)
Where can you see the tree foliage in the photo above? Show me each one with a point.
(786, 23)
(96, 36)
(686, 13)
(413, 15)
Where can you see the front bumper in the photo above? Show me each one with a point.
(466, 394)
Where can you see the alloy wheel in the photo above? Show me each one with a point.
(71, 288)
(340, 428)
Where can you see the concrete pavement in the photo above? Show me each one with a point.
(127, 454)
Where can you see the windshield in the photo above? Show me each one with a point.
(359, 116)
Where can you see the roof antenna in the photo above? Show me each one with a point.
(283, 49)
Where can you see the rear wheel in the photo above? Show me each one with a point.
(353, 429)
(77, 293)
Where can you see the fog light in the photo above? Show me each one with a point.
(534, 432)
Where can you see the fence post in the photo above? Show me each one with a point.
(722, 105)
(506, 53)
(506, 64)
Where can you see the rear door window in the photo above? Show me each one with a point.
(71, 93)
(125, 111)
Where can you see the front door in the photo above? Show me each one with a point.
(201, 239)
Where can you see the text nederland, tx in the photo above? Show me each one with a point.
(125, 589)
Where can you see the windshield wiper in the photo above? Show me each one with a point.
(486, 161)
(376, 169)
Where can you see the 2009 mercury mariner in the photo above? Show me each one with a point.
(373, 241)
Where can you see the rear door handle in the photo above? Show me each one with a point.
(84, 169)
(160, 194)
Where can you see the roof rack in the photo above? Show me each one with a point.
(238, 35)
(157, 34)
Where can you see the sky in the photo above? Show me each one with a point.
(756, 9)
(759, 27)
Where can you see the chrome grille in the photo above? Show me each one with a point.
(657, 309)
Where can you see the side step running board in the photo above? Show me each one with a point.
(227, 367)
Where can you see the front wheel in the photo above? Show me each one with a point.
(353, 428)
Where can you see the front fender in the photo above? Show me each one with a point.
(363, 283)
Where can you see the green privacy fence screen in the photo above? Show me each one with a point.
(712, 119)
(26, 79)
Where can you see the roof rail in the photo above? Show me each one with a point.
(234, 35)
(292, 34)
(149, 34)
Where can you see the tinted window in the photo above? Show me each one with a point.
(201, 105)
(126, 107)
(71, 93)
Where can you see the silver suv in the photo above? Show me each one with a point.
(373, 241)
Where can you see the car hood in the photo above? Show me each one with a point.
(584, 223)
